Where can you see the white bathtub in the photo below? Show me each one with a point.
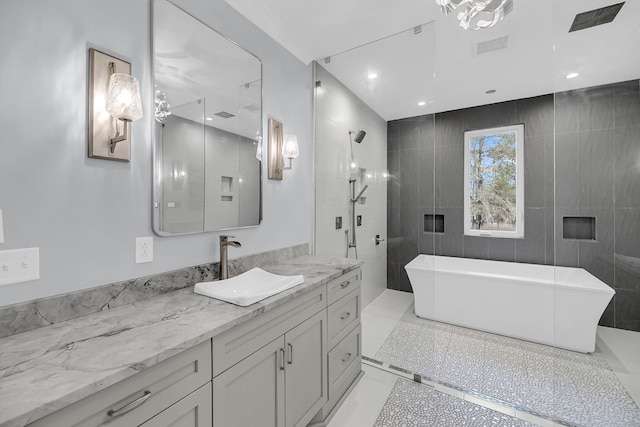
(557, 306)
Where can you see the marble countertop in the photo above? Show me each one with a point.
(46, 369)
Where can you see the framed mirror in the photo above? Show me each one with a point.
(208, 127)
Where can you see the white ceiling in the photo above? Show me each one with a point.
(203, 73)
(438, 65)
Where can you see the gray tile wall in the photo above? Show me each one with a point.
(596, 172)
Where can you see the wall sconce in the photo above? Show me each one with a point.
(280, 148)
(114, 102)
(290, 149)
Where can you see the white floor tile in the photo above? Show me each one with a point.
(621, 350)
(380, 317)
(362, 406)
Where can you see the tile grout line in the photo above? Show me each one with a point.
(467, 395)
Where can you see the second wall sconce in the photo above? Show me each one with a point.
(114, 102)
(281, 147)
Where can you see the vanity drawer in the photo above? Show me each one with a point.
(343, 315)
(339, 287)
(344, 362)
(146, 393)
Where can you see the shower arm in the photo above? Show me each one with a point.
(359, 194)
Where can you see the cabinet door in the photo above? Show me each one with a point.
(251, 393)
(192, 411)
(306, 369)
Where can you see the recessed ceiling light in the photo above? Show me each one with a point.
(209, 119)
(422, 103)
(572, 75)
(490, 91)
(372, 76)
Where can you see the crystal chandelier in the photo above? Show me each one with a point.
(477, 14)
(162, 106)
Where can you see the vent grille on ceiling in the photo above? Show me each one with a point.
(252, 107)
(224, 115)
(595, 17)
(491, 45)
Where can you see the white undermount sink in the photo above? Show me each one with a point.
(248, 288)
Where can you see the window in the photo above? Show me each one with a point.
(494, 186)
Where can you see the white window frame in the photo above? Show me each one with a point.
(518, 233)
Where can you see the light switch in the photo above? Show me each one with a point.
(19, 265)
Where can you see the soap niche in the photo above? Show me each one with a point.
(433, 223)
(226, 188)
(579, 228)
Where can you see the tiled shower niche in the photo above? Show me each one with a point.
(581, 153)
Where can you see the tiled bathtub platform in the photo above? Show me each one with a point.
(564, 386)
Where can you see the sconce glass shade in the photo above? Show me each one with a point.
(290, 147)
(123, 97)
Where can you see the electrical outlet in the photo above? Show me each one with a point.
(144, 249)
(19, 265)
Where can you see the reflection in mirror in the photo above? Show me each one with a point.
(208, 109)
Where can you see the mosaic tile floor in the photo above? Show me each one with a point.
(574, 388)
(414, 404)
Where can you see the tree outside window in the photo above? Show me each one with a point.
(494, 187)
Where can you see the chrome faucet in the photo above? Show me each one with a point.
(224, 265)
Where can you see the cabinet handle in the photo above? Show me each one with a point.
(345, 316)
(346, 357)
(345, 284)
(129, 406)
(282, 359)
(290, 361)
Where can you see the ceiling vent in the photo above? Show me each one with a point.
(252, 107)
(491, 45)
(224, 115)
(595, 17)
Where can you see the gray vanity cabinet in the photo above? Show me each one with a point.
(251, 393)
(345, 339)
(192, 411)
(279, 385)
(175, 392)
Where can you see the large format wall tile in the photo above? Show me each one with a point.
(449, 175)
(627, 249)
(532, 248)
(626, 310)
(595, 171)
(566, 171)
(537, 115)
(627, 166)
(596, 107)
(627, 103)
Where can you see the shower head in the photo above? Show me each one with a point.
(359, 135)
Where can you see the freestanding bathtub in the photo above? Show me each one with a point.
(557, 306)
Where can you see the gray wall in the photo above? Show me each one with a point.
(596, 172)
(84, 214)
